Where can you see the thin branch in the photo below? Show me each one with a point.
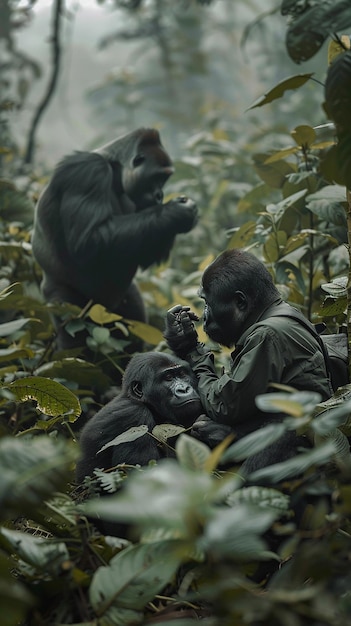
(56, 58)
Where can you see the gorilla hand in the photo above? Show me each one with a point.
(209, 432)
(180, 332)
(185, 212)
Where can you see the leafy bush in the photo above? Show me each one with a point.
(200, 542)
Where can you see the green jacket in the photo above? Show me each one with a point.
(273, 350)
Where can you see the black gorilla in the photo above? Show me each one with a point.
(156, 388)
(101, 217)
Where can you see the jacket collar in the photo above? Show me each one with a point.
(263, 315)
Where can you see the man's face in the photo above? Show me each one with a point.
(224, 321)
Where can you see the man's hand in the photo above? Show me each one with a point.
(180, 332)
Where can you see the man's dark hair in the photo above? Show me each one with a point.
(238, 270)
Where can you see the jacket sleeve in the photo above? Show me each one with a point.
(230, 398)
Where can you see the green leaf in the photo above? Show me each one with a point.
(295, 242)
(303, 135)
(31, 471)
(100, 315)
(132, 579)
(129, 435)
(192, 453)
(253, 443)
(235, 533)
(147, 333)
(162, 432)
(109, 481)
(166, 495)
(281, 154)
(100, 335)
(73, 369)
(273, 174)
(308, 31)
(52, 398)
(337, 287)
(256, 196)
(331, 307)
(332, 193)
(328, 211)
(296, 404)
(332, 418)
(242, 236)
(11, 327)
(295, 466)
(263, 497)
(293, 82)
(274, 246)
(340, 399)
(44, 555)
(12, 354)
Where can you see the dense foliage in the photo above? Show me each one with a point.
(267, 549)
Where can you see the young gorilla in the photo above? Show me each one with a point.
(244, 308)
(156, 388)
(101, 217)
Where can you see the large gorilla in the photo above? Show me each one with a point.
(101, 217)
(156, 388)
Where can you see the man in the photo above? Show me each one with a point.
(243, 308)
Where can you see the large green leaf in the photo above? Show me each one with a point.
(273, 174)
(192, 453)
(332, 193)
(295, 466)
(73, 369)
(296, 404)
(332, 418)
(263, 497)
(253, 443)
(274, 246)
(303, 135)
(162, 432)
(147, 333)
(132, 579)
(11, 327)
(293, 82)
(31, 471)
(41, 553)
(308, 31)
(242, 236)
(338, 89)
(52, 398)
(167, 495)
(133, 433)
(13, 354)
(235, 533)
(337, 288)
(331, 307)
(328, 211)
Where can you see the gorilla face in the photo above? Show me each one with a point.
(166, 385)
